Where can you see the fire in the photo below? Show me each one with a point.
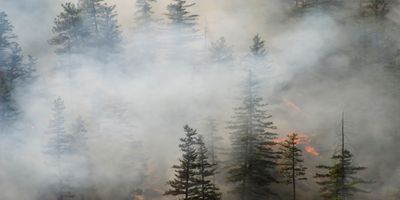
(311, 150)
(303, 140)
(293, 106)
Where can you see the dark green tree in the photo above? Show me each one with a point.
(340, 181)
(253, 162)
(257, 49)
(180, 16)
(70, 33)
(11, 74)
(206, 171)
(185, 183)
(291, 160)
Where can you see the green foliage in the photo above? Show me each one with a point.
(185, 183)
(90, 25)
(257, 49)
(193, 176)
(340, 182)
(291, 162)
(179, 15)
(206, 171)
(70, 33)
(253, 161)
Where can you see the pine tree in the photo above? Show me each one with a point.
(59, 146)
(253, 161)
(70, 33)
(101, 21)
(257, 49)
(90, 10)
(109, 33)
(185, 183)
(213, 141)
(180, 16)
(220, 51)
(292, 168)
(144, 13)
(79, 135)
(79, 150)
(11, 68)
(206, 171)
(340, 182)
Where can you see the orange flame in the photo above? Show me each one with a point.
(311, 150)
(293, 106)
(302, 139)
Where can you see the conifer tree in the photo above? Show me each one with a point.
(257, 49)
(70, 33)
(185, 183)
(79, 150)
(220, 51)
(59, 146)
(11, 70)
(179, 15)
(90, 10)
(79, 136)
(206, 171)
(339, 182)
(213, 141)
(144, 13)
(110, 35)
(292, 168)
(253, 162)
(101, 21)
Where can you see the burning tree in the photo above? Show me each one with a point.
(252, 163)
(292, 168)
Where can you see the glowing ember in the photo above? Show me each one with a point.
(303, 139)
(293, 106)
(311, 150)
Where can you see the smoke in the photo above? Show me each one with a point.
(135, 105)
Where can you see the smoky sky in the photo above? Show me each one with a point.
(310, 64)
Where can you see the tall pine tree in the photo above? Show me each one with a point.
(340, 182)
(185, 183)
(206, 171)
(59, 146)
(253, 161)
(70, 33)
(144, 14)
(291, 161)
(12, 73)
(180, 16)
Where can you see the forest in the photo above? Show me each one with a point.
(199, 100)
